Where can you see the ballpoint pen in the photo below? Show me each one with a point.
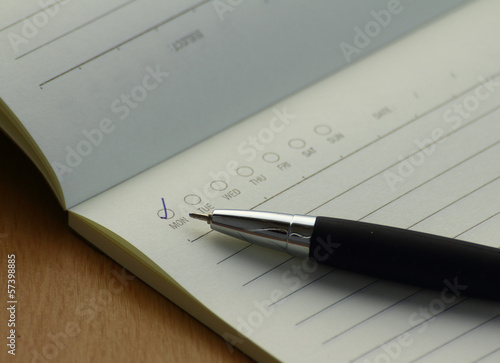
(385, 252)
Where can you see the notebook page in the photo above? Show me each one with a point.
(108, 89)
(408, 137)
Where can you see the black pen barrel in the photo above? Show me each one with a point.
(407, 256)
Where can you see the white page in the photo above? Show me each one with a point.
(347, 138)
(110, 88)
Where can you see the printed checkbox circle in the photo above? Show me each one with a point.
(218, 185)
(271, 157)
(192, 199)
(323, 129)
(245, 171)
(297, 143)
(170, 214)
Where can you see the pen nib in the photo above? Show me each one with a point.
(202, 217)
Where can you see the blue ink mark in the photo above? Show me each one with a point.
(164, 208)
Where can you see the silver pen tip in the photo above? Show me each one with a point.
(202, 217)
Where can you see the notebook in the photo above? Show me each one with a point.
(139, 112)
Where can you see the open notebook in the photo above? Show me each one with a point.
(105, 96)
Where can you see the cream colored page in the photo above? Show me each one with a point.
(408, 137)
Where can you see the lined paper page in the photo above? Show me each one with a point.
(108, 89)
(408, 137)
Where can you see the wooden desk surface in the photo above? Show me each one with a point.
(73, 303)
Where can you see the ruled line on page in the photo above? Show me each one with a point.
(199, 237)
(183, 12)
(489, 354)
(455, 338)
(302, 287)
(337, 302)
(456, 201)
(470, 157)
(32, 14)
(75, 29)
(373, 315)
(447, 309)
(234, 254)
(477, 224)
(268, 271)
